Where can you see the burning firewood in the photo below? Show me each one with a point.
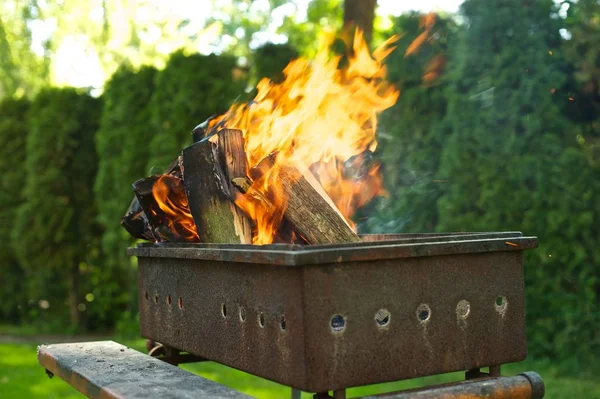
(208, 168)
(136, 221)
(164, 203)
(322, 115)
(309, 209)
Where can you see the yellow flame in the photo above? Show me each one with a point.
(322, 113)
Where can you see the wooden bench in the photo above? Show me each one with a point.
(106, 369)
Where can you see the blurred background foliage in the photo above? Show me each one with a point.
(497, 128)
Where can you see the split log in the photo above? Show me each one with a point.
(233, 156)
(135, 221)
(143, 192)
(171, 221)
(309, 210)
(207, 167)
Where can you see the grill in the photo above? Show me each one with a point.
(329, 317)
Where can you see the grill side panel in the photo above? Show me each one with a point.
(208, 301)
(443, 317)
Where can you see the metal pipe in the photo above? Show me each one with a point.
(528, 385)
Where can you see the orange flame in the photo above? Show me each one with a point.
(169, 194)
(427, 22)
(323, 113)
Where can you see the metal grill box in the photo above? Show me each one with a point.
(328, 317)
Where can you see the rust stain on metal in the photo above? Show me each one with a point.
(419, 280)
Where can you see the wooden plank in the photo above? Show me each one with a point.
(106, 369)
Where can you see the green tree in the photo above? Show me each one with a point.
(582, 49)
(512, 162)
(13, 132)
(122, 143)
(56, 226)
(320, 15)
(21, 71)
(189, 90)
(270, 59)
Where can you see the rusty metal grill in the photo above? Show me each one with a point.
(328, 317)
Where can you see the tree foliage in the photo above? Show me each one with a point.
(497, 150)
(410, 137)
(122, 143)
(188, 91)
(21, 71)
(13, 132)
(56, 227)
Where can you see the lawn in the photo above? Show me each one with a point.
(22, 377)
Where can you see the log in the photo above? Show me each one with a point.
(209, 191)
(135, 221)
(309, 210)
(143, 192)
(175, 225)
(232, 155)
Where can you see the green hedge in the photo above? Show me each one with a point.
(56, 234)
(190, 89)
(13, 132)
(487, 148)
(123, 150)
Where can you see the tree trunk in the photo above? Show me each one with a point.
(74, 313)
(360, 13)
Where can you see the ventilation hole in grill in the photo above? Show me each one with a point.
(501, 303)
(242, 314)
(338, 323)
(424, 313)
(146, 295)
(382, 317)
(463, 308)
(261, 320)
(155, 298)
(224, 310)
(169, 300)
(282, 323)
(180, 303)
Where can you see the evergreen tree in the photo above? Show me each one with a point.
(123, 152)
(512, 162)
(56, 225)
(270, 60)
(189, 90)
(13, 132)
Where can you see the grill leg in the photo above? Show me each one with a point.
(296, 393)
(339, 394)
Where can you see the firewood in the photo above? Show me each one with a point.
(309, 210)
(172, 226)
(135, 221)
(207, 167)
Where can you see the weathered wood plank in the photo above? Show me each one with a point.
(107, 369)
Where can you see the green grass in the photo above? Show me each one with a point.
(22, 377)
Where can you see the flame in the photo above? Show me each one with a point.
(427, 22)
(322, 114)
(169, 194)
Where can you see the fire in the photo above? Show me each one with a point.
(322, 115)
(170, 197)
